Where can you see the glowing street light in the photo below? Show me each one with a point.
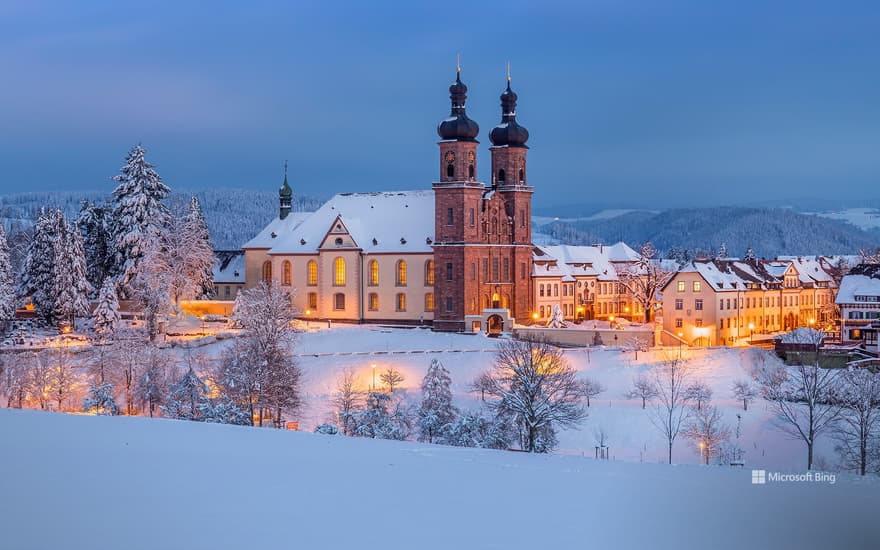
(751, 332)
(374, 377)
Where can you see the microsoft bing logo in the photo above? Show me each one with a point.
(759, 477)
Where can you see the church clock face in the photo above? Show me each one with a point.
(450, 156)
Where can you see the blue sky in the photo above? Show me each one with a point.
(674, 103)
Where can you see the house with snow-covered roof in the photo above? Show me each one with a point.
(859, 301)
(583, 281)
(719, 301)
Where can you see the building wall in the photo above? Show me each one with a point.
(696, 322)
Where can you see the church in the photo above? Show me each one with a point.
(457, 256)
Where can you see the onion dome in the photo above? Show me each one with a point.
(509, 133)
(458, 127)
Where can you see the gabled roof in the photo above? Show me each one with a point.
(862, 280)
(229, 267)
(270, 235)
(400, 221)
(582, 261)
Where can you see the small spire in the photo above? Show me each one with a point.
(458, 63)
(285, 170)
(508, 74)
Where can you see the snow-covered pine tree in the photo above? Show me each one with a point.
(557, 319)
(722, 251)
(138, 213)
(7, 280)
(100, 253)
(223, 411)
(749, 255)
(72, 287)
(100, 400)
(38, 276)
(436, 411)
(200, 253)
(106, 317)
(185, 397)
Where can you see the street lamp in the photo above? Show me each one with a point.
(374, 377)
(680, 334)
(751, 332)
(701, 454)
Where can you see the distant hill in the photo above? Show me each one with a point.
(769, 231)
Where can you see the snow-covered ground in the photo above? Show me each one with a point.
(326, 353)
(83, 482)
(863, 218)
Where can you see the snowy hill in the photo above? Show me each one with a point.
(82, 482)
(770, 232)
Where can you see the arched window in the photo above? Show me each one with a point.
(471, 171)
(373, 302)
(541, 290)
(374, 273)
(339, 272)
(429, 273)
(339, 301)
(450, 171)
(521, 175)
(267, 272)
(401, 273)
(429, 301)
(401, 302)
(285, 273)
(312, 268)
(501, 175)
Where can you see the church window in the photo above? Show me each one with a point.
(429, 273)
(374, 273)
(449, 271)
(450, 171)
(471, 171)
(339, 301)
(429, 301)
(312, 268)
(506, 270)
(401, 273)
(267, 272)
(339, 272)
(313, 300)
(494, 269)
(450, 219)
(472, 217)
(373, 302)
(501, 176)
(522, 175)
(286, 273)
(401, 302)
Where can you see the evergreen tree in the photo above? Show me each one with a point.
(139, 216)
(436, 410)
(38, 276)
(223, 411)
(72, 287)
(749, 255)
(722, 252)
(100, 400)
(7, 280)
(185, 397)
(106, 317)
(99, 250)
(200, 255)
(382, 419)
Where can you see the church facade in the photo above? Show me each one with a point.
(458, 255)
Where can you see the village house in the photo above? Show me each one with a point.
(859, 301)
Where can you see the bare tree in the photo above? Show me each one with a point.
(699, 392)
(533, 383)
(644, 278)
(707, 430)
(859, 425)
(643, 388)
(151, 386)
(391, 378)
(591, 388)
(635, 345)
(346, 400)
(803, 400)
(671, 408)
(15, 382)
(61, 377)
(744, 391)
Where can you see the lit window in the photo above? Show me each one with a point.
(678, 323)
(401, 273)
(401, 302)
(285, 273)
(373, 302)
(429, 273)
(429, 301)
(374, 273)
(681, 286)
(697, 286)
(267, 272)
(312, 269)
(339, 273)
(313, 300)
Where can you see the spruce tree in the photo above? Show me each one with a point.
(72, 287)
(185, 397)
(139, 217)
(38, 276)
(100, 252)
(106, 317)
(200, 257)
(436, 411)
(7, 280)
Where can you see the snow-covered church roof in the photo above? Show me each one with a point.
(397, 221)
(229, 267)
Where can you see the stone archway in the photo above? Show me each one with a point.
(494, 324)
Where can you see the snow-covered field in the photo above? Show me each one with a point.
(863, 218)
(83, 482)
(326, 353)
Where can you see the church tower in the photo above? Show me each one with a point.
(285, 196)
(482, 248)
